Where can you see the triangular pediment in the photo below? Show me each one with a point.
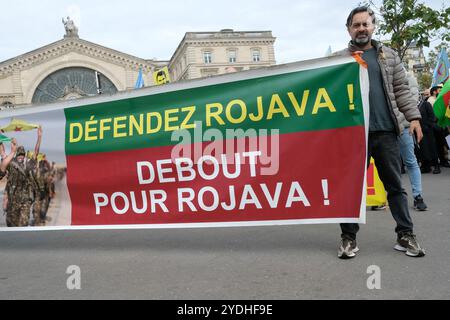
(74, 44)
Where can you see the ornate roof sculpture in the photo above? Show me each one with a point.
(71, 28)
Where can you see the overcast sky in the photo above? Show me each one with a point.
(153, 29)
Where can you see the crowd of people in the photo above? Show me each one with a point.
(432, 151)
(427, 155)
(30, 185)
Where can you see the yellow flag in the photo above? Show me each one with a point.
(161, 76)
(19, 125)
(376, 195)
(40, 157)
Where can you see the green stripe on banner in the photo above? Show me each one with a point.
(318, 99)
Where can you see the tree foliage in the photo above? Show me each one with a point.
(407, 22)
(424, 80)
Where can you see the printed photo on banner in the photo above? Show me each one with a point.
(33, 187)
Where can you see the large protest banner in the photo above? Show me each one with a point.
(279, 145)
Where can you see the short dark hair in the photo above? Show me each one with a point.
(434, 89)
(359, 10)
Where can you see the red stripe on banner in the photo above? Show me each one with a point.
(105, 189)
(371, 180)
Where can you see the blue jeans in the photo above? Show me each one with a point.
(406, 143)
(384, 148)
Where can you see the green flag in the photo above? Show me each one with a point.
(441, 106)
(4, 138)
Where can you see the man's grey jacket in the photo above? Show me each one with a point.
(396, 87)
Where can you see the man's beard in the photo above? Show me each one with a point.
(361, 41)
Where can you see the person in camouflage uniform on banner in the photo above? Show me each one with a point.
(6, 159)
(43, 178)
(21, 187)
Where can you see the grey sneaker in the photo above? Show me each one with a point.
(347, 249)
(378, 208)
(419, 204)
(408, 244)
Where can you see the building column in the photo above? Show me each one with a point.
(17, 87)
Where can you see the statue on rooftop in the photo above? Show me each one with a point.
(71, 28)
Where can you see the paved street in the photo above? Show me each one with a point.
(294, 262)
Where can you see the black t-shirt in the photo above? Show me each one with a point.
(380, 117)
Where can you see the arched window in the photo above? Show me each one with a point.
(72, 83)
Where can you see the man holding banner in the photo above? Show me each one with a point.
(389, 94)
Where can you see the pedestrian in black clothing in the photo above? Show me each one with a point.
(439, 132)
(428, 151)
